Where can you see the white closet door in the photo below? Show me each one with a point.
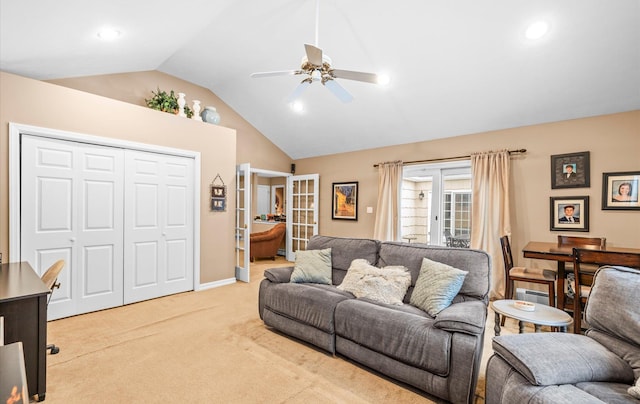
(72, 209)
(158, 238)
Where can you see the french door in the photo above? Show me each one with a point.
(302, 212)
(436, 202)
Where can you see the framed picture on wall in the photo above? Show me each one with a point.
(569, 213)
(344, 204)
(620, 190)
(570, 170)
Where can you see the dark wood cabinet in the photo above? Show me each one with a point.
(23, 306)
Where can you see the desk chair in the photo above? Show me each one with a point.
(50, 278)
(522, 274)
(583, 281)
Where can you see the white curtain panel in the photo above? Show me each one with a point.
(388, 205)
(490, 211)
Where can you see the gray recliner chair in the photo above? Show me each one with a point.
(601, 366)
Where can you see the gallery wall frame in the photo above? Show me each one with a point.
(570, 170)
(344, 201)
(561, 208)
(620, 190)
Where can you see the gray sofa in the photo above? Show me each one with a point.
(597, 367)
(438, 355)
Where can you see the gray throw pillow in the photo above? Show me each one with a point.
(312, 266)
(436, 286)
(384, 285)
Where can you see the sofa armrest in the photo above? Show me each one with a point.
(279, 275)
(557, 358)
(467, 317)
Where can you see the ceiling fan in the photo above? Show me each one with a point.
(316, 66)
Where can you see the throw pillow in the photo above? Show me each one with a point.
(384, 285)
(312, 266)
(635, 390)
(436, 286)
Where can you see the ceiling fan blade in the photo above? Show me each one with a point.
(337, 90)
(358, 76)
(314, 55)
(276, 73)
(298, 91)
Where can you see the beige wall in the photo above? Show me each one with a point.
(37, 103)
(252, 147)
(613, 140)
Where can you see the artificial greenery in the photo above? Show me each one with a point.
(166, 102)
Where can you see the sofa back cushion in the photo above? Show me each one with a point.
(614, 303)
(477, 263)
(344, 251)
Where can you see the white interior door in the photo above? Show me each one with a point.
(158, 238)
(72, 209)
(302, 212)
(243, 221)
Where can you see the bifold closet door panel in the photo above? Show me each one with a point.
(72, 209)
(158, 238)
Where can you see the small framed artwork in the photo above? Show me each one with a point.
(344, 203)
(218, 204)
(569, 213)
(570, 170)
(218, 191)
(620, 190)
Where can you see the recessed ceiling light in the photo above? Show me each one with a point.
(296, 106)
(537, 30)
(108, 34)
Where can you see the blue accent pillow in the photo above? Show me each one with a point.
(436, 286)
(312, 266)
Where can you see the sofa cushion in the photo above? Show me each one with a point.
(344, 251)
(630, 353)
(608, 392)
(476, 263)
(559, 358)
(436, 286)
(312, 266)
(312, 304)
(385, 285)
(613, 305)
(400, 335)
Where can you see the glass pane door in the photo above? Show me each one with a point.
(302, 212)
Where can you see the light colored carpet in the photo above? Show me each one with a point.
(207, 346)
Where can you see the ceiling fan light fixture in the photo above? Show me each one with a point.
(383, 79)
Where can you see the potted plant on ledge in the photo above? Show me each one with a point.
(166, 102)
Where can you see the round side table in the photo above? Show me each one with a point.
(542, 315)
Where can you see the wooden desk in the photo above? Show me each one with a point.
(23, 304)
(550, 251)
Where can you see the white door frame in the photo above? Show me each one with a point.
(17, 129)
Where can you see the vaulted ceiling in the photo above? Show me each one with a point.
(456, 67)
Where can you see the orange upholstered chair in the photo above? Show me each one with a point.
(265, 244)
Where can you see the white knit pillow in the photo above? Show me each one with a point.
(384, 285)
(635, 390)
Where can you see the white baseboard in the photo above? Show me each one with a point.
(216, 284)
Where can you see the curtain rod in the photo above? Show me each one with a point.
(406, 163)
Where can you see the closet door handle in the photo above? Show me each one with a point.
(72, 239)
